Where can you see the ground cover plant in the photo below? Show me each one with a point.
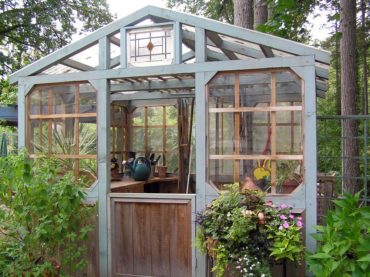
(42, 221)
(244, 235)
(344, 241)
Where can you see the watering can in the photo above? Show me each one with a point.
(140, 169)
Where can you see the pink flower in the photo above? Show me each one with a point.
(283, 206)
(299, 223)
(299, 218)
(291, 216)
(286, 224)
(269, 203)
(283, 217)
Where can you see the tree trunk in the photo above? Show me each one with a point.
(364, 60)
(243, 13)
(349, 87)
(260, 13)
(338, 107)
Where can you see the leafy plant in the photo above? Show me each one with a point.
(344, 242)
(242, 233)
(42, 219)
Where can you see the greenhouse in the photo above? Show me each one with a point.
(157, 112)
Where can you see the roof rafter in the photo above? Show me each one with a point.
(219, 42)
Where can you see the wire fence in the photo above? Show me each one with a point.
(330, 142)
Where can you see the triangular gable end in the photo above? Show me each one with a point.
(224, 41)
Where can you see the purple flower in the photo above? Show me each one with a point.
(283, 217)
(299, 223)
(291, 216)
(299, 218)
(286, 224)
(283, 206)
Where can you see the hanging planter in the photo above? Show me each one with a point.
(245, 236)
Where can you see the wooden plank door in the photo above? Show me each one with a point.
(151, 237)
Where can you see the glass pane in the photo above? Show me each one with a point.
(64, 140)
(171, 116)
(171, 139)
(221, 91)
(138, 139)
(288, 88)
(155, 139)
(289, 176)
(138, 117)
(88, 137)
(63, 100)
(88, 171)
(155, 116)
(39, 136)
(221, 133)
(254, 89)
(87, 99)
(38, 101)
(172, 162)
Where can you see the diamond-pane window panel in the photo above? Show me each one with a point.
(150, 46)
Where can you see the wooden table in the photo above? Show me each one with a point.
(131, 185)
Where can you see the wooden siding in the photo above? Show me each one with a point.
(151, 237)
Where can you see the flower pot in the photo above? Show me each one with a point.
(289, 186)
(162, 171)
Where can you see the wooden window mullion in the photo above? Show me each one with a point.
(236, 128)
(273, 135)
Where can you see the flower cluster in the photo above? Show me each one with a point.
(244, 234)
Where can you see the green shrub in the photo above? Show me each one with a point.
(344, 242)
(42, 219)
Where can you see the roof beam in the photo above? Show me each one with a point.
(244, 34)
(217, 40)
(77, 65)
(172, 69)
(153, 85)
(227, 45)
(267, 51)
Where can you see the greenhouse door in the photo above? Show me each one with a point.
(152, 236)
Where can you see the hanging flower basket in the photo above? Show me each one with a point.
(244, 235)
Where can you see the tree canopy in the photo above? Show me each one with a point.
(30, 29)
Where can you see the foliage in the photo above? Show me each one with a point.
(42, 221)
(30, 29)
(288, 19)
(63, 143)
(344, 242)
(222, 10)
(242, 233)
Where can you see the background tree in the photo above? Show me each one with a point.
(349, 94)
(33, 28)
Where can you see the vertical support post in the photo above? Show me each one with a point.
(200, 45)
(123, 48)
(21, 117)
(177, 43)
(310, 154)
(103, 156)
(201, 132)
(201, 157)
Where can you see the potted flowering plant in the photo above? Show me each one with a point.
(244, 235)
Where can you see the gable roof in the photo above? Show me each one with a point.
(232, 42)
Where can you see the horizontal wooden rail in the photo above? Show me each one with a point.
(65, 156)
(256, 157)
(71, 115)
(255, 109)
